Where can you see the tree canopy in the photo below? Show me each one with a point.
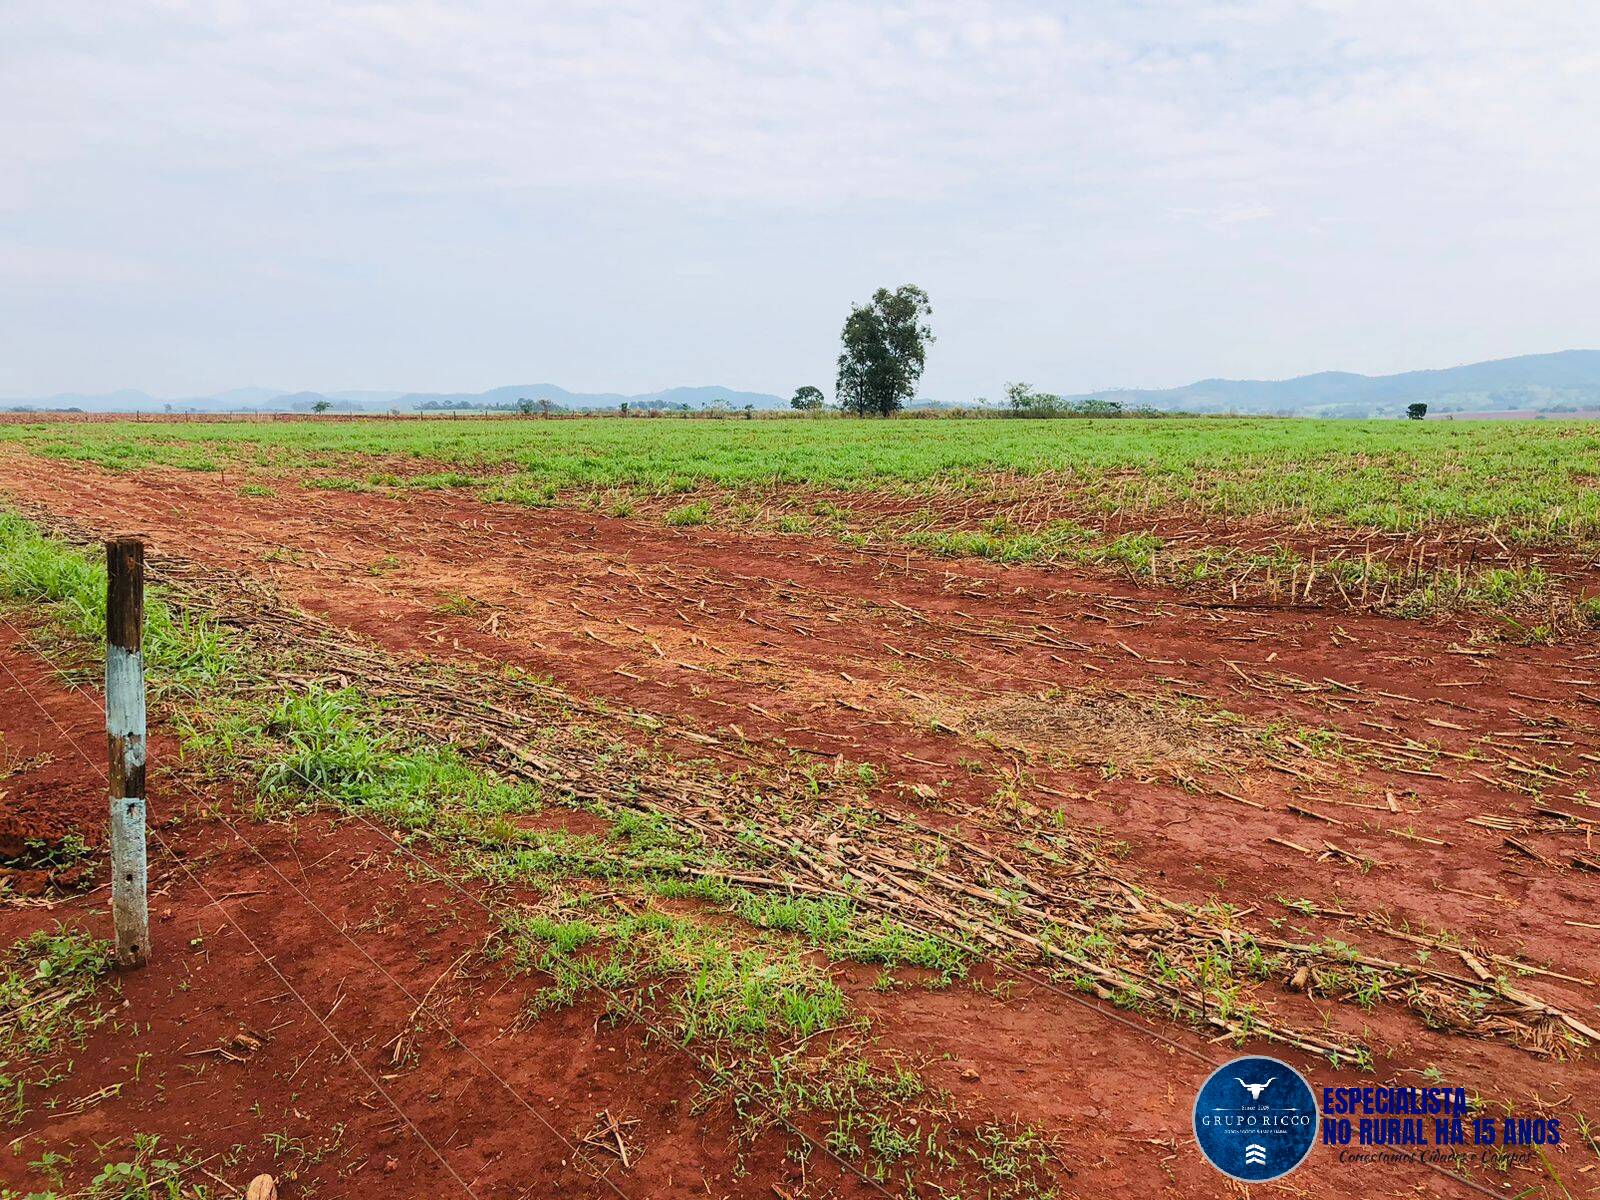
(885, 347)
(1025, 402)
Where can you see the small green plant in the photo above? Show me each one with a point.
(46, 981)
(151, 1172)
(62, 855)
(697, 513)
(454, 604)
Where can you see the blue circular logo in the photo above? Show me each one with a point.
(1256, 1119)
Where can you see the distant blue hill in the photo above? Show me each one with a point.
(1531, 382)
(1565, 381)
(271, 400)
(693, 397)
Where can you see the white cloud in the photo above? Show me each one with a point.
(788, 103)
(312, 141)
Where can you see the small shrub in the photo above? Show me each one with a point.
(697, 513)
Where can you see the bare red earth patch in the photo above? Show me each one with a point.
(48, 808)
(939, 674)
(286, 961)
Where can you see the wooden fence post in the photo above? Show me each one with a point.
(125, 737)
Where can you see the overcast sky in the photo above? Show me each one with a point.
(629, 196)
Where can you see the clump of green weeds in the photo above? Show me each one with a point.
(697, 513)
(149, 1171)
(182, 654)
(46, 982)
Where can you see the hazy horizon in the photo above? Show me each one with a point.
(633, 197)
(530, 382)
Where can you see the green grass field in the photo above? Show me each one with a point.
(1531, 480)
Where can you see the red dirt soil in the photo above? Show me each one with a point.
(298, 1103)
(44, 799)
(801, 643)
(239, 948)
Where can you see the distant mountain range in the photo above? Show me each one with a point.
(1566, 381)
(271, 400)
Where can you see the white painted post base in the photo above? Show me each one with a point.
(130, 908)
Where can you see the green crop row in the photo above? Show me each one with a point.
(1534, 480)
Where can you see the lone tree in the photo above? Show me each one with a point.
(885, 348)
(1416, 411)
(806, 399)
(321, 406)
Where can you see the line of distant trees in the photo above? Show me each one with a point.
(1023, 401)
